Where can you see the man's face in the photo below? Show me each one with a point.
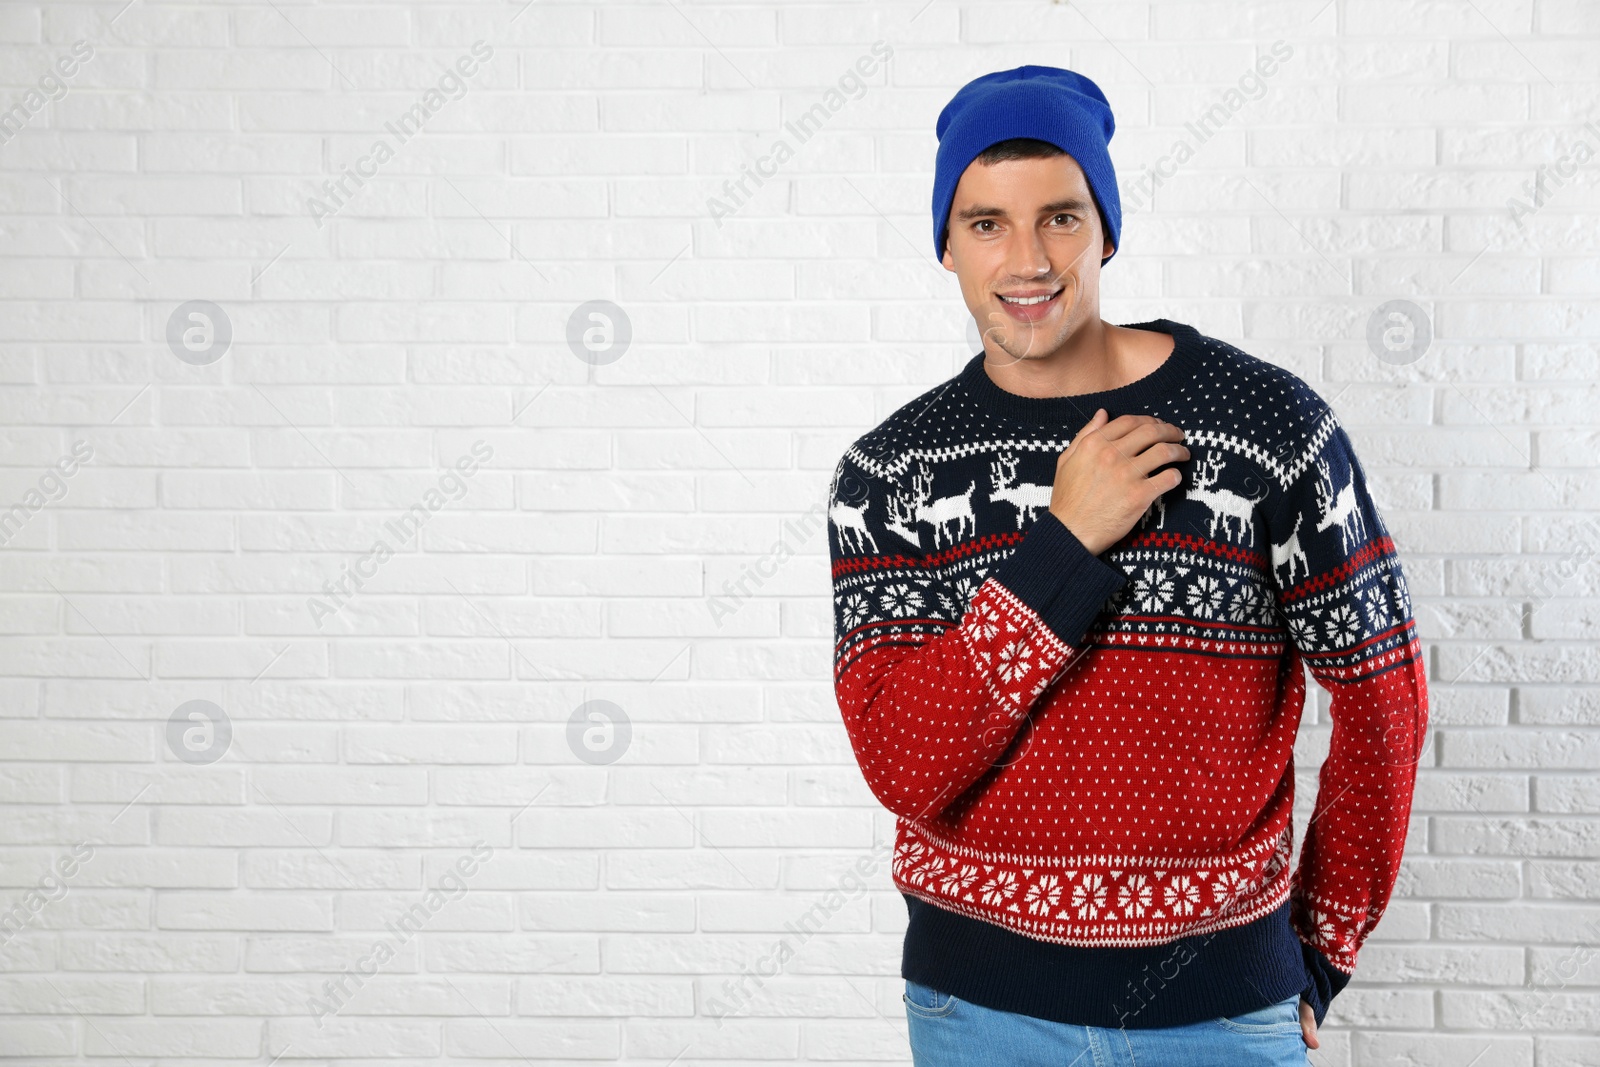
(1026, 228)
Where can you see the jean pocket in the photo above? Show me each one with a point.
(1280, 1018)
(926, 1001)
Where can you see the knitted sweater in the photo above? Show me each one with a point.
(1091, 757)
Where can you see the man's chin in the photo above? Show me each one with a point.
(1034, 347)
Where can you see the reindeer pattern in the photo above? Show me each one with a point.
(1027, 498)
(929, 506)
(1225, 505)
(1232, 517)
(910, 507)
(930, 515)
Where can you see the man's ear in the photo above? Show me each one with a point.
(948, 260)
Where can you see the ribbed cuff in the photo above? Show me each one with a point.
(1060, 579)
(1326, 981)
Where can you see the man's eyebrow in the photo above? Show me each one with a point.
(984, 211)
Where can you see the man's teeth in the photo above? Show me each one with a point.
(1026, 300)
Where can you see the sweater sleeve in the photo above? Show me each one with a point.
(935, 676)
(1340, 587)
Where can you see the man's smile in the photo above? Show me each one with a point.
(1030, 305)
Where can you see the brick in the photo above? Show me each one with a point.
(224, 911)
(223, 1038)
(166, 952)
(71, 995)
(346, 1038)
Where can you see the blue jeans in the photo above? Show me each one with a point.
(949, 1032)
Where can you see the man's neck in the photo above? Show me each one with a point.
(1098, 357)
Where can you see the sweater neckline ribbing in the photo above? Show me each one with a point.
(1076, 410)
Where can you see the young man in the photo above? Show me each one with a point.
(1075, 589)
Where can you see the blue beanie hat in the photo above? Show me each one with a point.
(1059, 106)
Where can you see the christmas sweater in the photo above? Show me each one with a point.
(1091, 757)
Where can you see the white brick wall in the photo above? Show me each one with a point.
(597, 892)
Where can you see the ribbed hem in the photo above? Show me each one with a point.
(1326, 981)
(1053, 573)
(1226, 972)
(1068, 413)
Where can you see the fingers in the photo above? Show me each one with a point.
(1125, 425)
(1159, 454)
(1308, 1025)
(1095, 422)
(1142, 435)
(1154, 439)
(1146, 441)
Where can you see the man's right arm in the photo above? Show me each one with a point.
(933, 692)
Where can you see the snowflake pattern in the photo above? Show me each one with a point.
(1402, 596)
(1014, 651)
(1334, 930)
(1380, 606)
(1205, 596)
(998, 888)
(1231, 886)
(1246, 604)
(1343, 625)
(1089, 896)
(1152, 589)
(1181, 895)
(1043, 895)
(1101, 899)
(964, 589)
(1015, 659)
(1324, 932)
(1227, 600)
(900, 600)
(958, 880)
(1314, 623)
(985, 623)
(1134, 895)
